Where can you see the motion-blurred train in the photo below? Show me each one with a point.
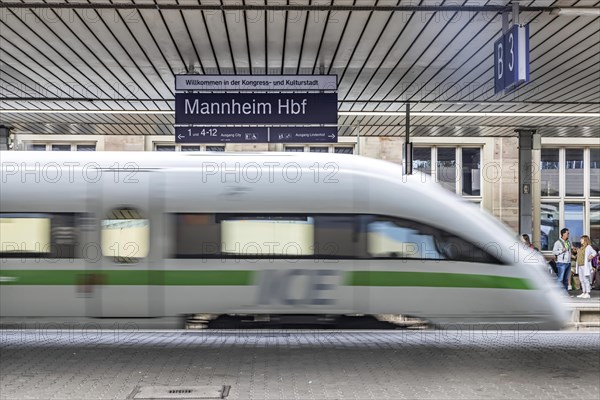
(151, 237)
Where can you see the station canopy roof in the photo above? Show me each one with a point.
(108, 67)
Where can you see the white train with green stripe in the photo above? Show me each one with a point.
(151, 237)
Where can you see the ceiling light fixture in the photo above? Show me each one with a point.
(468, 114)
(577, 11)
(340, 113)
(148, 112)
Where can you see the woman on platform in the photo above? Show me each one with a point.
(585, 254)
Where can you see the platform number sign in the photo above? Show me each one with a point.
(511, 59)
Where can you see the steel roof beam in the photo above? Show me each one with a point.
(292, 7)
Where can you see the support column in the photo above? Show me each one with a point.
(525, 181)
(536, 189)
(357, 129)
(407, 153)
(4, 137)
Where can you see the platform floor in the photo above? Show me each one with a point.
(275, 364)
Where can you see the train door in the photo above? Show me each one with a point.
(127, 204)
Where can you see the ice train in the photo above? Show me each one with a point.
(151, 237)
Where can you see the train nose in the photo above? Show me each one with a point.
(560, 313)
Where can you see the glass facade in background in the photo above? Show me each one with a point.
(471, 167)
(215, 148)
(595, 223)
(190, 148)
(86, 147)
(595, 172)
(320, 149)
(577, 199)
(446, 167)
(465, 179)
(343, 150)
(574, 221)
(550, 230)
(422, 159)
(550, 169)
(165, 147)
(574, 172)
(61, 147)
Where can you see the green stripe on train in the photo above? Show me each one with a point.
(244, 278)
(435, 279)
(125, 277)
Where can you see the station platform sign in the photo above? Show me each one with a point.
(511, 59)
(236, 83)
(228, 134)
(255, 108)
(325, 134)
(221, 134)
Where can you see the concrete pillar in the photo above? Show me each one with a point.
(525, 181)
(4, 137)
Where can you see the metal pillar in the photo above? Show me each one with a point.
(536, 189)
(515, 12)
(407, 153)
(525, 181)
(357, 129)
(504, 22)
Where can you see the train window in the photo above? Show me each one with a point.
(335, 236)
(34, 235)
(125, 235)
(403, 239)
(267, 235)
(389, 239)
(255, 236)
(197, 235)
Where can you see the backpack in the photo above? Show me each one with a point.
(596, 261)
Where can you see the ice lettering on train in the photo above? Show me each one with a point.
(296, 287)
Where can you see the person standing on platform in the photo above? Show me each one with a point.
(585, 254)
(562, 251)
(527, 242)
